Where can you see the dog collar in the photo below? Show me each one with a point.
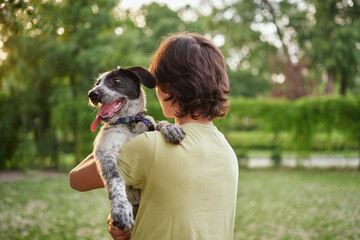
(138, 118)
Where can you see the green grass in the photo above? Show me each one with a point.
(298, 205)
(41, 207)
(272, 204)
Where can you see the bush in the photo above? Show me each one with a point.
(304, 125)
(261, 140)
(322, 123)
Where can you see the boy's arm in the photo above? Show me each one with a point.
(85, 177)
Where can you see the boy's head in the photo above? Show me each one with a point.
(192, 70)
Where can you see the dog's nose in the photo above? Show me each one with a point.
(94, 96)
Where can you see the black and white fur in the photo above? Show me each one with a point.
(123, 83)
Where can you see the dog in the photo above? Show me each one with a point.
(122, 110)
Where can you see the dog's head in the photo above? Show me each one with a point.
(119, 93)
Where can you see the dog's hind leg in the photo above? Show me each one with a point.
(121, 209)
(134, 197)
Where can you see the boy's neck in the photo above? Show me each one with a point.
(189, 119)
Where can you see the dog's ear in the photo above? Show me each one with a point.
(145, 77)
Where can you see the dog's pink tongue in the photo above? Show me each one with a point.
(96, 123)
(105, 110)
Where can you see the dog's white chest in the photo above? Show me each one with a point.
(112, 137)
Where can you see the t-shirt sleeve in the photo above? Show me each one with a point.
(135, 158)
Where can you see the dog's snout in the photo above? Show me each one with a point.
(95, 96)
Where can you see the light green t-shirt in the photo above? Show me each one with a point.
(189, 190)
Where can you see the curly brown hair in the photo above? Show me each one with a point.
(192, 70)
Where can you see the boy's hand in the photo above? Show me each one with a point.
(116, 233)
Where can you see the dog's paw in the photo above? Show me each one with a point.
(122, 215)
(173, 133)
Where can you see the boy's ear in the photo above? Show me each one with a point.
(144, 76)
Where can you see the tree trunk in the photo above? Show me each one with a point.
(293, 72)
(343, 83)
(329, 89)
(294, 82)
(359, 153)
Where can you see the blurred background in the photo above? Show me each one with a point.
(294, 68)
(294, 122)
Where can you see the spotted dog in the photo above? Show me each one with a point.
(122, 110)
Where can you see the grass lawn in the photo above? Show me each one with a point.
(298, 205)
(45, 207)
(271, 205)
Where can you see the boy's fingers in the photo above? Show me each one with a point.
(118, 234)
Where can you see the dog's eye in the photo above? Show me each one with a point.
(97, 82)
(116, 80)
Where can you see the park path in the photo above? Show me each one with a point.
(318, 161)
(254, 162)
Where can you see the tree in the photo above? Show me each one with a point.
(55, 50)
(246, 84)
(51, 48)
(335, 40)
(290, 39)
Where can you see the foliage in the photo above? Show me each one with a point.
(55, 51)
(303, 119)
(51, 52)
(335, 44)
(302, 41)
(244, 83)
(262, 140)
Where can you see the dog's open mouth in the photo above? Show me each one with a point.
(107, 110)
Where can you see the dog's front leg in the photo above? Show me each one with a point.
(173, 133)
(121, 209)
